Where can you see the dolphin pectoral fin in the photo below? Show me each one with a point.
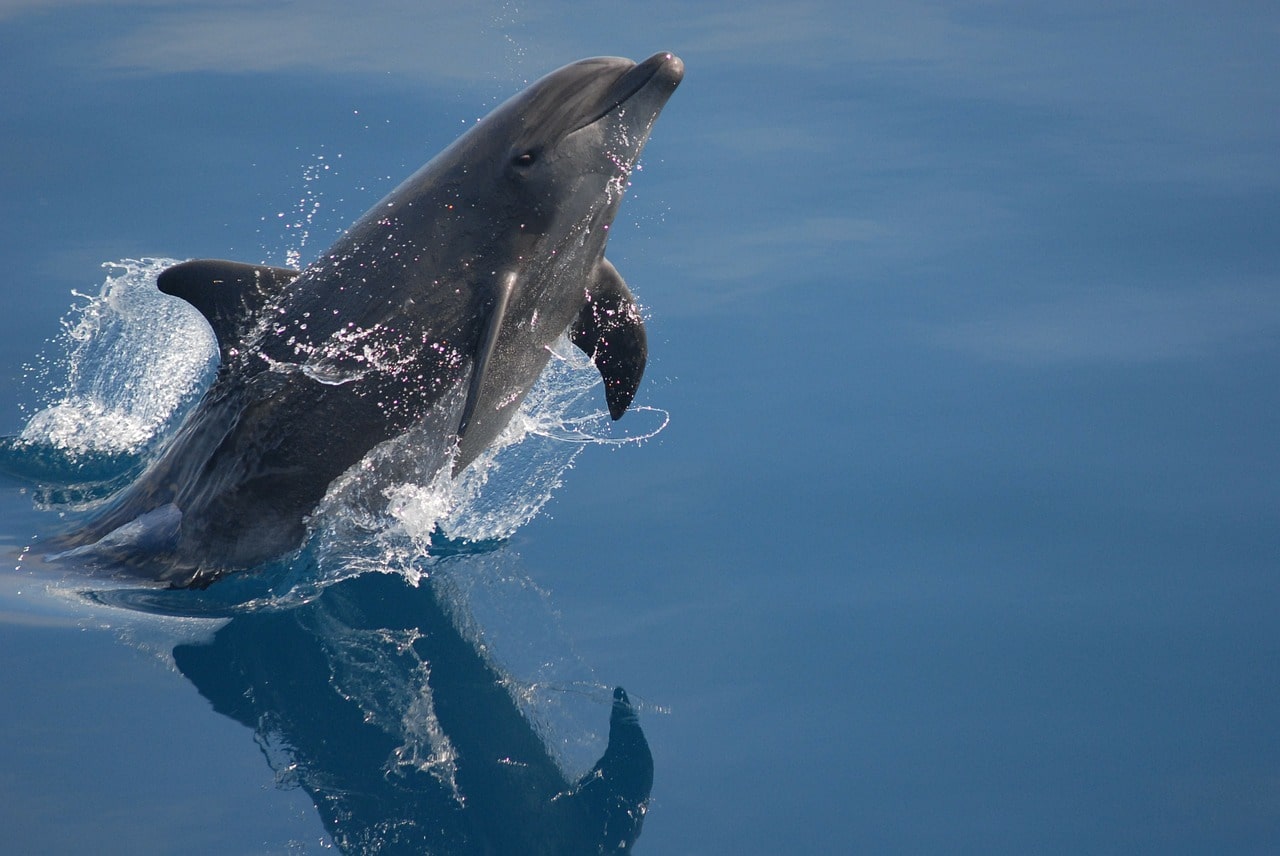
(610, 330)
(488, 345)
(227, 294)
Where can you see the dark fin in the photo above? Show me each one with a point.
(609, 329)
(616, 791)
(488, 345)
(228, 294)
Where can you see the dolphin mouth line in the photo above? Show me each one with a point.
(636, 86)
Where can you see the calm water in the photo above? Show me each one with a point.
(961, 536)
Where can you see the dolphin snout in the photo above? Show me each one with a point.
(663, 69)
(667, 68)
(660, 73)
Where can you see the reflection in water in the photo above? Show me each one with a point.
(405, 736)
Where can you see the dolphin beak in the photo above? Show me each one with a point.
(654, 80)
(670, 69)
(659, 74)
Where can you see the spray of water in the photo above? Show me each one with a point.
(133, 361)
(131, 357)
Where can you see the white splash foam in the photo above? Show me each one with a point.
(133, 357)
(404, 488)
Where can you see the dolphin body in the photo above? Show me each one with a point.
(451, 288)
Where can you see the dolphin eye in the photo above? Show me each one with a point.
(524, 159)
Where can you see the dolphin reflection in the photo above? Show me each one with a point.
(405, 736)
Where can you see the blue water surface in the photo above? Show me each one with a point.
(961, 536)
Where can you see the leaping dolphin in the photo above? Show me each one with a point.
(459, 280)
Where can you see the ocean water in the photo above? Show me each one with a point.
(946, 521)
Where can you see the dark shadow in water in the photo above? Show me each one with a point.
(403, 734)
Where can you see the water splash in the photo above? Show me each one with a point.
(295, 226)
(404, 494)
(128, 363)
(134, 360)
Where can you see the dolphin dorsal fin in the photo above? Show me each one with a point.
(609, 330)
(228, 294)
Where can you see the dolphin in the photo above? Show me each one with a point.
(450, 289)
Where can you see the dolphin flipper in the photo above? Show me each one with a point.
(610, 330)
(488, 345)
(227, 294)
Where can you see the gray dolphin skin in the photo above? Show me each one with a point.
(455, 284)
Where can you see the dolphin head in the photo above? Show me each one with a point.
(562, 149)
(572, 140)
(578, 131)
(556, 159)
